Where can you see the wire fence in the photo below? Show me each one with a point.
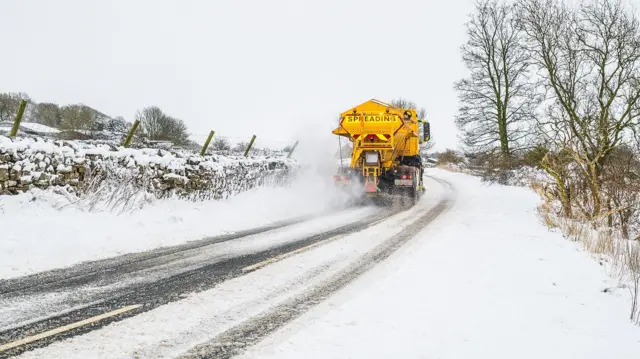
(219, 143)
(202, 142)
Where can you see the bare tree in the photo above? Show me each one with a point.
(589, 62)
(76, 117)
(161, 127)
(48, 114)
(221, 144)
(9, 103)
(498, 100)
(151, 118)
(422, 115)
(240, 146)
(406, 104)
(174, 130)
(621, 176)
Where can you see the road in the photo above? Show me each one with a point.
(260, 279)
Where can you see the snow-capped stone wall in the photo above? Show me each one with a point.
(33, 162)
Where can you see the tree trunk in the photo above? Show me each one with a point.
(565, 199)
(594, 183)
(502, 131)
(609, 214)
(624, 224)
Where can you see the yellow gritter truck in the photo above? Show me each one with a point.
(385, 160)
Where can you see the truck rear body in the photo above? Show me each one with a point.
(386, 148)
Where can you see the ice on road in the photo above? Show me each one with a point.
(486, 280)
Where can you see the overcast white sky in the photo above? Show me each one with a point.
(279, 69)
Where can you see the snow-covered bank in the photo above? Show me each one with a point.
(611, 238)
(486, 280)
(42, 230)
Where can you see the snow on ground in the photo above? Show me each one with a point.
(39, 128)
(5, 127)
(159, 334)
(486, 280)
(41, 230)
(17, 311)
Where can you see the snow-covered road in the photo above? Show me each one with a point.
(470, 272)
(43, 231)
(34, 300)
(487, 280)
(233, 306)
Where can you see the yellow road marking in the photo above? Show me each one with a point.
(67, 327)
(288, 254)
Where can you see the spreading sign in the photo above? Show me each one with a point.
(372, 118)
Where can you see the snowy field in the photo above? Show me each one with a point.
(486, 279)
(5, 128)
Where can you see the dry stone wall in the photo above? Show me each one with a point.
(32, 162)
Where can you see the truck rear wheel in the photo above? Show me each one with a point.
(407, 197)
(413, 196)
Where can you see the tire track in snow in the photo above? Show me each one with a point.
(235, 340)
(154, 294)
(24, 307)
(84, 273)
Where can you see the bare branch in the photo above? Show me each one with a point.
(499, 98)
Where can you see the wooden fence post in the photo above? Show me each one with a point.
(246, 152)
(206, 144)
(127, 140)
(16, 123)
(292, 148)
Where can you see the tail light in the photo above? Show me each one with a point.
(405, 177)
(336, 178)
(345, 177)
